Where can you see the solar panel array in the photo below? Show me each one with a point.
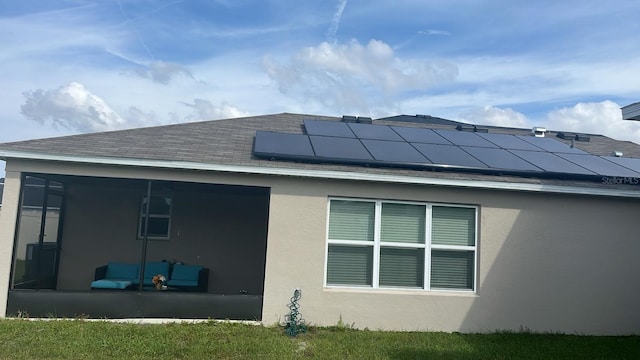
(397, 146)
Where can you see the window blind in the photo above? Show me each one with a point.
(350, 265)
(453, 226)
(452, 269)
(401, 267)
(351, 220)
(403, 223)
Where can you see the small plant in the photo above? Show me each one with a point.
(342, 326)
(21, 314)
(294, 322)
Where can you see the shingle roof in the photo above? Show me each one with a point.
(230, 142)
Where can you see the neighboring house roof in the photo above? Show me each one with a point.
(631, 112)
(227, 145)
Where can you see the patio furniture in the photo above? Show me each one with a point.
(189, 278)
(118, 275)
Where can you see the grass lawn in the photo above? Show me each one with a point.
(78, 339)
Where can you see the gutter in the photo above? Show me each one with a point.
(323, 174)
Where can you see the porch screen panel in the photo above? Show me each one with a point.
(350, 265)
(453, 226)
(351, 220)
(403, 223)
(401, 267)
(452, 269)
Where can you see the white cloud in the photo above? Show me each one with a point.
(494, 116)
(71, 106)
(206, 110)
(163, 72)
(353, 76)
(137, 117)
(597, 118)
(434, 32)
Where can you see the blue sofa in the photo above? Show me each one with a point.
(118, 275)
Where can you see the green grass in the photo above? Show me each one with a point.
(78, 339)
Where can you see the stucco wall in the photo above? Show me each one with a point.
(546, 262)
(10, 199)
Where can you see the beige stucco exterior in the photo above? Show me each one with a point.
(546, 262)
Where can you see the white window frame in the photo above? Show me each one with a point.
(156, 216)
(427, 246)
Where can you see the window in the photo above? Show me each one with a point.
(159, 217)
(382, 244)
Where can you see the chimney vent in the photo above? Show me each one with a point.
(538, 131)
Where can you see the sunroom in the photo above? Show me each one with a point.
(69, 229)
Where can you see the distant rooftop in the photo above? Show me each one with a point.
(631, 112)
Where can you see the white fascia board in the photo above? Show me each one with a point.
(323, 174)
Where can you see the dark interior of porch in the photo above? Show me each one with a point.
(72, 228)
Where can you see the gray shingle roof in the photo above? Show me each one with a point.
(230, 142)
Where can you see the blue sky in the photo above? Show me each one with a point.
(78, 66)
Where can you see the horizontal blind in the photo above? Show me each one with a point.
(350, 265)
(452, 269)
(403, 223)
(401, 267)
(453, 226)
(351, 220)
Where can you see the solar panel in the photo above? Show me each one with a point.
(328, 128)
(551, 145)
(599, 165)
(551, 163)
(448, 155)
(629, 163)
(374, 132)
(280, 144)
(500, 159)
(509, 142)
(394, 151)
(464, 138)
(367, 144)
(417, 135)
(339, 148)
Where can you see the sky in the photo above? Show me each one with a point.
(78, 66)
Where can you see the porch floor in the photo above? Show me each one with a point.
(133, 304)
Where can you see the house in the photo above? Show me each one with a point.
(631, 111)
(399, 223)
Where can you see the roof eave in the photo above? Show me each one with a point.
(322, 174)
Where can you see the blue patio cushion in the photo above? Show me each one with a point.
(110, 284)
(174, 282)
(186, 272)
(152, 269)
(121, 271)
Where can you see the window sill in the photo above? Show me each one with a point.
(399, 291)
